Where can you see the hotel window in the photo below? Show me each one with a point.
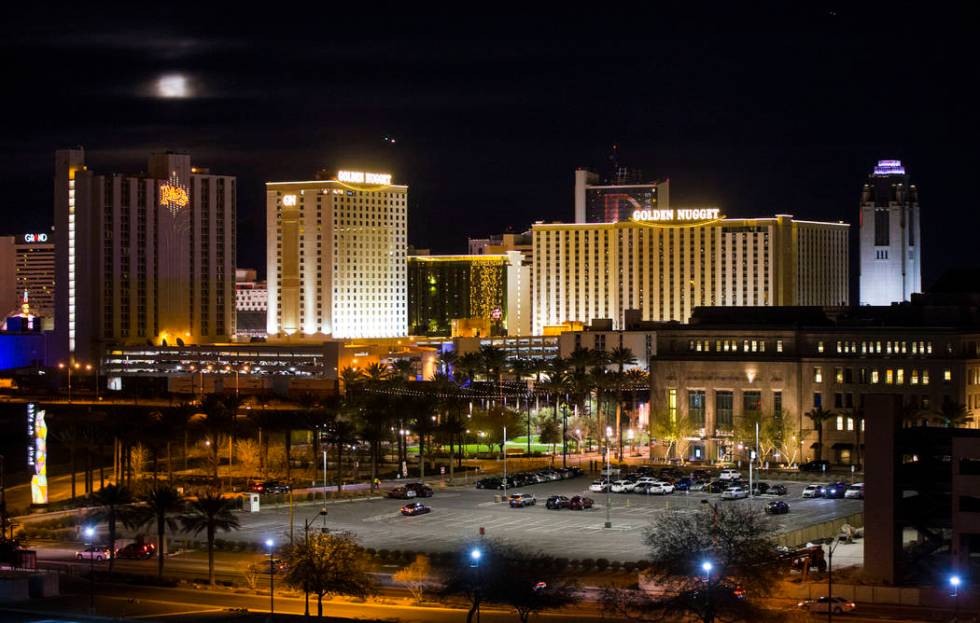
(818, 374)
(751, 403)
(840, 422)
(889, 376)
(695, 407)
(820, 346)
(925, 377)
(850, 423)
(777, 403)
(947, 375)
(817, 400)
(723, 410)
(779, 346)
(838, 401)
(838, 346)
(900, 376)
(878, 346)
(672, 404)
(915, 377)
(874, 377)
(839, 375)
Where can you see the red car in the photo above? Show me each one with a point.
(579, 503)
(136, 551)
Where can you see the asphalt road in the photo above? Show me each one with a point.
(458, 513)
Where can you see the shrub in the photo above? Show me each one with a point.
(383, 554)
(629, 566)
(642, 564)
(616, 565)
(574, 562)
(587, 564)
(561, 564)
(602, 564)
(371, 552)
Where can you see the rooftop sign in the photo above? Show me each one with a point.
(889, 167)
(360, 177)
(677, 215)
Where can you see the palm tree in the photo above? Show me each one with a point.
(70, 436)
(447, 361)
(217, 420)
(580, 359)
(494, 362)
(953, 414)
(469, 365)
(209, 513)
(340, 433)
(403, 369)
(162, 503)
(112, 504)
(818, 416)
(350, 378)
(377, 372)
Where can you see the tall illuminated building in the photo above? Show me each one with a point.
(891, 245)
(142, 258)
(615, 198)
(336, 256)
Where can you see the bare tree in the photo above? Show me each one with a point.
(415, 576)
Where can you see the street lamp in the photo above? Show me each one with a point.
(269, 543)
(475, 555)
(954, 582)
(608, 523)
(90, 541)
(69, 366)
(706, 566)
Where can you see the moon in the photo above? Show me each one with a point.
(173, 86)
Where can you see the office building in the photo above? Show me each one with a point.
(27, 265)
(142, 258)
(891, 242)
(615, 198)
(250, 294)
(665, 262)
(500, 244)
(469, 295)
(337, 257)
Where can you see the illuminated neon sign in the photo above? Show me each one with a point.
(679, 214)
(173, 195)
(289, 200)
(35, 237)
(889, 167)
(360, 177)
(37, 453)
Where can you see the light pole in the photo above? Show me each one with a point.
(505, 464)
(709, 615)
(269, 543)
(954, 582)
(608, 479)
(90, 541)
(69, 366)
(830, 577)
(475, 556)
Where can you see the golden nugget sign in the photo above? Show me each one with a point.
(360, 177)
(173, 195)
(680, 214)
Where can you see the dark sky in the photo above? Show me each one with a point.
(757, 109)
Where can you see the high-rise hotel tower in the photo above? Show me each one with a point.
(891, 245)
(142, 258)
(336, 256)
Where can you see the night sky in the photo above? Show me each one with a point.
(756, 110)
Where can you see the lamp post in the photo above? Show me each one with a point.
(954, 583)
(475, 556)
(709, 614)
(608, 479)
(269, 543)
(69, 366)
(830, 577)
(90, 540)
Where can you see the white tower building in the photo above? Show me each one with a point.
(891, 245)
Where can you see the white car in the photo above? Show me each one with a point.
(599, 486)
(855, 491)
(665, 487)
(645, 480)
(813, 491)
(734, 493)
(620, 486)
(729, 474)
(837, 605)
(97, 554)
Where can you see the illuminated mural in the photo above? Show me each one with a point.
(37, 453)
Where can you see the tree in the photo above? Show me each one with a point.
(329, 564)
(528, 582)
(350, 378)
(953, 414)
(818, 416)
(112, 506)
(414, 577)
(549, 432)
(744, 566)
(161, 504)
(447, 362)
(209, 513)
(249, 456)
(671, 429)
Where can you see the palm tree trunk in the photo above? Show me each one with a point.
(211, 556)
(319, 607)
(185, 449)
(288, 442)
(161, 545)
(112, 539)
(340, 465)
(170, 464)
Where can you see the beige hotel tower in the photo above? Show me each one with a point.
(337, 257)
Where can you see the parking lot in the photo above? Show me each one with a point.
(458, 513)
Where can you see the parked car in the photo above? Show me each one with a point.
(777, 507)
(837, 605)
(699, 485)
(855, 491)
(269, 487)
(488, 483)
(411, 490)
(622, 486)
(579, 503)
(734, 493)
(520, 500)
(777, 489)
(815, 466)
(96, 553)
(665, 487)
(683, 484)
(136, 551)
(415, 508)
(729, 474)
(813, 491)
(760, 488)
(835, 490)
(556, 502)
(649, 488)
(717, 486)
(599, 486)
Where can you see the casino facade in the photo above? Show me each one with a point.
(663, 263)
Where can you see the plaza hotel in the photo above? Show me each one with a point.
(662, 263)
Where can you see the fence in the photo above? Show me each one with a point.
(818, 531)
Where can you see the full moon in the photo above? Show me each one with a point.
(173, 86)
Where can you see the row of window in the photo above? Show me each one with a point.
(873, 376)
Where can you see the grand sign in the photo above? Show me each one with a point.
(42, 237)
(360, 177)
(677, 215)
